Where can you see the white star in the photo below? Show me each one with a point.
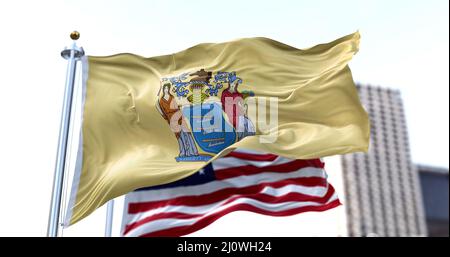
(201, 172)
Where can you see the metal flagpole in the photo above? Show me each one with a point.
(109, 218)
(72, 54)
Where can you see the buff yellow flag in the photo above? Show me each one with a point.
(151, 121)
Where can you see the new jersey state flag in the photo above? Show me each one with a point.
(152, 121)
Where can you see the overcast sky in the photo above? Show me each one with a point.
(404, 45)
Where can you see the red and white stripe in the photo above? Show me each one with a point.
(261, 183)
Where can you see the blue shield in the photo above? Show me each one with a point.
(210, 129)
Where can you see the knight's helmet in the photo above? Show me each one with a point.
(197, 85)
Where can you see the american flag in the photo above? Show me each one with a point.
(242, 181)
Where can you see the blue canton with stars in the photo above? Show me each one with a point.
(202, 176)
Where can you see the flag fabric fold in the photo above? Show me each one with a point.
(153, 121)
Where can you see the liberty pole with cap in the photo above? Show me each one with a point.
(72, 55)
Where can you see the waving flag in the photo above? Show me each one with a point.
(152, 121)
(241, 181)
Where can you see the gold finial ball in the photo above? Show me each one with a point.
(75, 35)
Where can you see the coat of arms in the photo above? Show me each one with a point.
(206, 111)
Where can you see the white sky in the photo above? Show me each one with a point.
(404, 45)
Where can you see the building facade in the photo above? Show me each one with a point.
(435, 194)
(382, 189)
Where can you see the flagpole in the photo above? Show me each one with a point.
(72, 55)
(109, 218)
